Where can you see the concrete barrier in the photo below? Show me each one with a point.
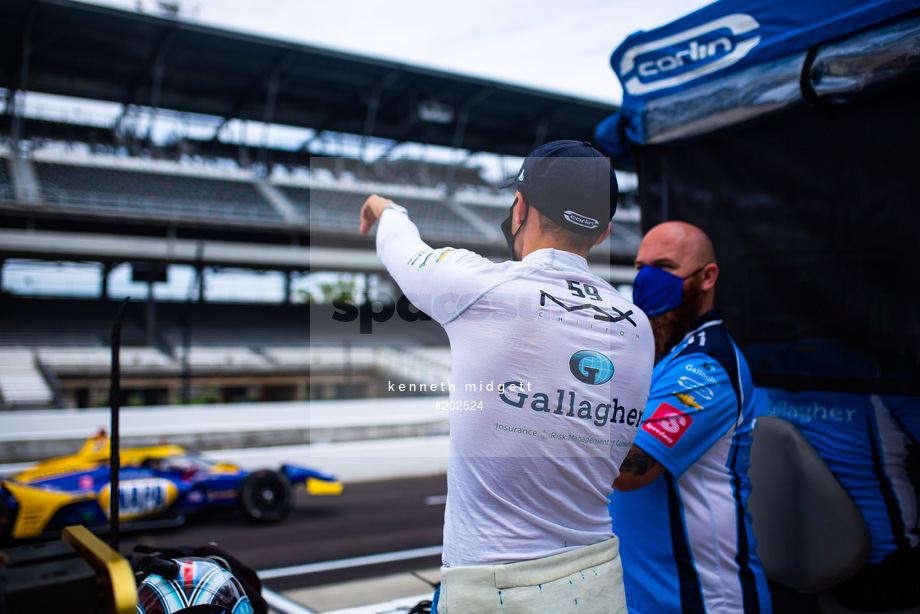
(352, 461)
(351, 437)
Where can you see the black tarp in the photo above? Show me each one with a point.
(815, 215)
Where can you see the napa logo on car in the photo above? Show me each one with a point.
(682, 57)
(142, 497)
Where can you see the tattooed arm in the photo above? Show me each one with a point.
(639, 468)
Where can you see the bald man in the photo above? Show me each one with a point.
(680, 501)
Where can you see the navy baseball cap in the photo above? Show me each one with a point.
(571, 183)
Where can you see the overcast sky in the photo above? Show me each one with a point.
(562, 46)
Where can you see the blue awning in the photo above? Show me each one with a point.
(735, 60)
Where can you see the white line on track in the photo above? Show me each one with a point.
(359, 561)
(436, 500)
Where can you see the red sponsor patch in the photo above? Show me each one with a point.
(668, 424)
(188, 573)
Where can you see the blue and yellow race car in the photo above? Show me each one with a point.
(157, 486)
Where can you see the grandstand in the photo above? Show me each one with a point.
(109, 193)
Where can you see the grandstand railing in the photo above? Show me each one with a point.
(162, 208)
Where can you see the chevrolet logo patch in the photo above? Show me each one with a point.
(687, 399)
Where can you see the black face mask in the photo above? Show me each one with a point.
(506, 229)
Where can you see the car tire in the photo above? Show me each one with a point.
(266, 496)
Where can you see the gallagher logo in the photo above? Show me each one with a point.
(685, 56)
(591, 367)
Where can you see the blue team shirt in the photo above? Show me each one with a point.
(865, 441)
(869, 441)
(686, 539)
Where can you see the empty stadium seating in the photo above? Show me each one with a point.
(6, 183)
(299, 198)
(107, 186)
(57, 351)
(165, 195)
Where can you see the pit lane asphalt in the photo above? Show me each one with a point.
(367, 518)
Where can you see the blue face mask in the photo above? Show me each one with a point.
(656, 291)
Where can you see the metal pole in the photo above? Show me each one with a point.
(114, 439)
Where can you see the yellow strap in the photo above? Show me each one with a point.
(119, 589)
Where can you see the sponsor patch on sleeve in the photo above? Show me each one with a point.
(423, 258)
(687, 399)
(668, 424)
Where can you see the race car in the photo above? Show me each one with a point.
(157, 486)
